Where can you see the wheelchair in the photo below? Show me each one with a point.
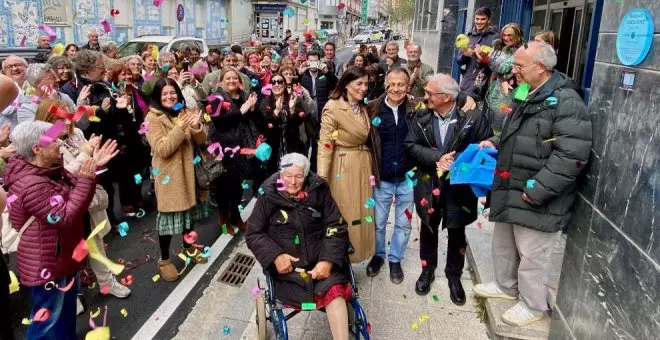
(269, 309)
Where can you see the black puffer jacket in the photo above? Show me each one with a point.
(458, 203)
(548, 143)
(275, 223)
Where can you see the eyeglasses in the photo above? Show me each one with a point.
(520, 68)
(19, 65)
(430, 93)
(277, 82)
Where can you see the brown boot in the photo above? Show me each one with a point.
(195, 255)
(167, 270)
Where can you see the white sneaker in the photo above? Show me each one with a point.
(79, 306)
(491, 290)
(520, 315)
(118, 290)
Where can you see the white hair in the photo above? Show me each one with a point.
(295, 159)
(108, 46)
(393, 43)
(417, 46)
(21, 59)
(544, 54)
(25, 135)
(447, 84)
(36, 72)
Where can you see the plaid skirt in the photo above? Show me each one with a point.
(174, 223)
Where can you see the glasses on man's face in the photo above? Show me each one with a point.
(431, 93)
(277, 82)
(519, 68)
(19, 65)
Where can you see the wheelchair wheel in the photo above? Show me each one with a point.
(261, 316)
(357, 321)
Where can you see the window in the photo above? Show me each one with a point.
(538, 22)
(433, 15)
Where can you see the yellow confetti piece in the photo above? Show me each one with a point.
(207, 118)
(124, 312)
(94, 119)
(155, 278)
(549, 140)
(58, 49)
(426, 177)
(462, 41)
(440, 173)
(183, 257)
(420, 106)
(305, 21)
(154, 52)
(414, 325)
(13, 283)
(93, 315)
(26, 321)
(100, 333)
(331, 232)
(93, 285)
(424, 317)
(285, 215)
(335, 134)
(485, 49)
(305, 276)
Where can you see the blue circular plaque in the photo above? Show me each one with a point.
(634, 37)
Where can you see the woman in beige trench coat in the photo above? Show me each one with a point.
(344, 159)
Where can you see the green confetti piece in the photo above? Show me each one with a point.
(245, 185)
(435, 298)
(521, 92)
(356, 222)
(308, 306)
(369, 219)
(224, 228)
(466, 209)
(296, 240)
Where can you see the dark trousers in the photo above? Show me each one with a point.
(428, 242)
(6, 331)
(314, 144)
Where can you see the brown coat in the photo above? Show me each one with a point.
(347, 168)
(173, 153)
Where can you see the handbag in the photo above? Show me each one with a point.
(207, 170)
(11, 238)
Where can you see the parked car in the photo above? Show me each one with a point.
(26, 52)
(367, 37)
(165, 43)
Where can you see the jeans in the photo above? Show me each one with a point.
(61, 324)
(404, 201)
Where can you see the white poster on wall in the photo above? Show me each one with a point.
(54, 12)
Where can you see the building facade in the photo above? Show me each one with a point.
(270, 20)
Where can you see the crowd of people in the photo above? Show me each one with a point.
(324, 147)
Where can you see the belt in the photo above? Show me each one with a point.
(352, 148)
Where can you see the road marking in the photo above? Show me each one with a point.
(156, 321)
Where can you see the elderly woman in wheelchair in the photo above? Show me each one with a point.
(297, 234)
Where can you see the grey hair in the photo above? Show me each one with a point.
(26, 134)
(21, 59)
(58, 61)
(447, 84)
(125, 60)
(393, 43)
(36, 72)
(296, 159)
(418, 46)
(164, 55)
(108, 46)
(92, 30)
(545, 54)
(85, 60)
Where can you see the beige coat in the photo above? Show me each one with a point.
(173, 151)
(347, 168)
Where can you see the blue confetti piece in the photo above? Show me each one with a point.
(207, 252)
(165, 67)
(197, 159)
(254, 82)
(123, 229)
(138, 178)
(376, 121)
(552, 100)
(177, 106)
(140, 213)
(226, 330)
(240, 208)
(263, 152)
(165, 180)
(245, 185)
(410, 174)
(321, 77)
(261, 191)
(52, 219)
(155, 171)
(365, 100)
(530, 183)
(370, 203)
(188, 260)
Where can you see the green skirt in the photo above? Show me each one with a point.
(174, 223)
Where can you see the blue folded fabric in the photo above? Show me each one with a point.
(475, 166)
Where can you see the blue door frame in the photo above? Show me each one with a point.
(592, 46)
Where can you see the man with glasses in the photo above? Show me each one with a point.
(15, 68)
(92, 41)
(544, 145)
(392, 163)
(437, 133)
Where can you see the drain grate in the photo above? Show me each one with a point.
(237, 270)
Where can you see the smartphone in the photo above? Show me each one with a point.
(295, 81)
(313, 64)
(186, 65)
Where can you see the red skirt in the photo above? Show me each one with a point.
(344, 291)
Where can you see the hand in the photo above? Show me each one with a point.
(92, 143)
(468, 52)
(321, 271)
(304, 66)
(105, 153)
(292, 103)
(505, 87)
(486, 144)
(481, 57)
(4, 133)
(193, 118)
(7, 152)
(278, 105)
(446, 161)
(186, 77)
(122, 102)
(84, 94)
(470, 104)
(105, 105)
(250, 103)
(323, 68)
(87, 169)
(284, 263)
(414, 74)
(527, 199)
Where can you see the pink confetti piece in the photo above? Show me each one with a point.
(56, 200)
(51, 134)
(35, 99)
(144, 128)
(67, 287)
(23, 40)
(372, 181)
(45, 274)
(158, 3)
(255, 292)
(202, 69)
(221, 102)
(280, 185)
(234, 150)
(190, 237)
(148, 76)
(11, 199)
(106, 25)
(51, 34)
(266, 89)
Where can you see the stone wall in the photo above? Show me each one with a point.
(610, 281)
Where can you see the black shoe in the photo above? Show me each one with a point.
(423, 284)
(396, 273)
(456, 292)
(373, 268)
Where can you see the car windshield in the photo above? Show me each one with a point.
(135, 47)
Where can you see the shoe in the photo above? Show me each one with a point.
(423, 284)
(396, 273)
(167, 270)
(520, 315)
(373, 268)
(456, 292)
(491, 290)
(118, 290)
(195, 255)
(79, 306)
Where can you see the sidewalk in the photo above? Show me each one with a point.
(391, 309)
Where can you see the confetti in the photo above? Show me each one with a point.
(52, 219)
(505, 109)
(67, 287)
(263, 152)
(127, 281)
(369, 219)
(376, 121)
(285, 215)
(155, 278)
(331, 232)
(466, 209)
(370, 203)
(51, 34)
(26, 321)
(123, 312)
(296, 240)
(123, 229)
(226, 330)
(261, 191)
(224, 228)
(255, 292)
(335, 134)
(254, 82)
(503, 173)
(14, 286)
(58, 49)
(23, 40)
(356, 222)
(521, 92)
(105, 290)
(435, 298)
(462, 41)
(423, 202)
(190, 237)
(41, 315)
(267, 89)
(308, 306)
(155, 171)
(579, 164)
(140, 213)
(430, 211)
(106, 25)
(305, 22)
(177, 106)
(158, 3)
(114, 12)
(138, 179)
(372, 181)
(551, 100)
(207, 252)
(280, 185)
(302, 195)
(245, 185)
(408, 214)
(414, 326)
(423, 263)
(436, 192)
(144, 128)
(165, 180)
(550, 140)
(530, 183)
(197, 159)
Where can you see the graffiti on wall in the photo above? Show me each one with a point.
(147, 18)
